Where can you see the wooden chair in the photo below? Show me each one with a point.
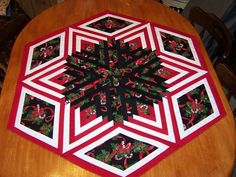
(226, 71)
(216, 36)
(227, 78)
(218, 32)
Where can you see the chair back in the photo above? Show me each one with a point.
(217, 38)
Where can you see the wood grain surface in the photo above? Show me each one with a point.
(212, 154)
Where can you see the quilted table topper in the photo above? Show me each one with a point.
(114, 94)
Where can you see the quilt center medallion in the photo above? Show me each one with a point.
(118, 75)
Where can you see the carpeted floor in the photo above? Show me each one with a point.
(10, 26)
(4, 56)
(177, 5)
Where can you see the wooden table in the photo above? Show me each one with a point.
(211, 154)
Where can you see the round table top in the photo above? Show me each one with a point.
(211, 154)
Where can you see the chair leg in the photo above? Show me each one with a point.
(228, 95)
